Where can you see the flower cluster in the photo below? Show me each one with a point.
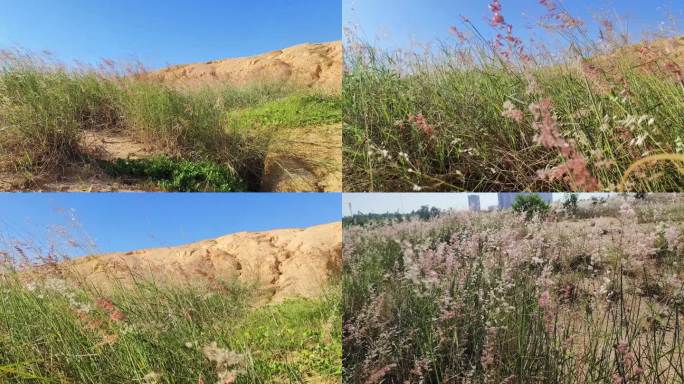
(482, 279)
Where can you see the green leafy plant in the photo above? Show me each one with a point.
(292, 111)
(178, 175)
(570, 204)
(530, 205)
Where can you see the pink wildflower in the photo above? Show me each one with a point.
(456, 32)
(544, 299)
(575, 171)
(117, 315)
(511, 112)
(622, 347)
(421, 122)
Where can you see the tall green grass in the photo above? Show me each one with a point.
(47, 336)
(469, 145)
(44, 110)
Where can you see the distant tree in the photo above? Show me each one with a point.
(530, 204)
(570, 203)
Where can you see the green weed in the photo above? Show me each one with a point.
(288, 112)
(178, 175)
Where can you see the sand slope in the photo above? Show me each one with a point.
(283, 263)
(317, 66)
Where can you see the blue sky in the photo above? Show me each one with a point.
(392, 24)
(129, 221)
(408, 202)
(158, 32)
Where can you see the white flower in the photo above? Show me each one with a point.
(151, 378)
(222, 357)
(417, 188)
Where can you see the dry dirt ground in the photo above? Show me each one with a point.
(311, 163)
(101, 145)
(285, 263)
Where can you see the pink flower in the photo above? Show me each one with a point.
(460, 35)
(673, 239)
(575, 171)
(511, 112)
(117, 315)
(421, 122)
(550, 6)
(495, 6)
(544, 299)
(622, 347)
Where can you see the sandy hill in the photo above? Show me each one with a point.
(664, 55)
(317, 66)
(283, 263)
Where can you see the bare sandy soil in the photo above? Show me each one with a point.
(657, 56)
(101, 145)
(312, 162)
(284, 263)
(316, 66)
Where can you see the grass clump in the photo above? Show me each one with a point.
(178, 175)
(41, 117)
(45, 109)
(491, 114)
(289, 112)
(187, 123)
(55, 332)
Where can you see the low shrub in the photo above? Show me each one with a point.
(178, 175)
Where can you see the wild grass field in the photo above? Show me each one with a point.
(585, 293)
(57, 329)
(491, 112)
(109, 128)
(52, 333)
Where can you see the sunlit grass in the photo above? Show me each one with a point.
(439, 122)
(45, 110)
(57, 334)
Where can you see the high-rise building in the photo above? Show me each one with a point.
(474, 203)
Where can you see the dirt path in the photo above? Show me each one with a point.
(86, 177)
(112, 145)
(308, 160)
